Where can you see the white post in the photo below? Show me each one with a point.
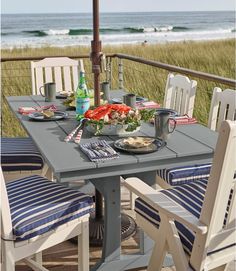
(109, 71)
(120, 74)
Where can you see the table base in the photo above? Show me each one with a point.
(96, 229)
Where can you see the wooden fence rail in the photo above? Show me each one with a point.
(197, 74)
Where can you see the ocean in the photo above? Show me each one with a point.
(37, 30)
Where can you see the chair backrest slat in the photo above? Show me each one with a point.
(58, 78)
(61, 70)
(39, 79)
(217, 206)
(75, 72)
(180, 94)
(48, 75)
(67, 79)
(223, 106)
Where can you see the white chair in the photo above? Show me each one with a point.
(194, 222)
(180, 94)
(24, 159)
(61, 70)
(38, 214)
(223, 106)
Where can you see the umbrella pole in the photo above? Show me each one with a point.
(96, 61)
(96, 225)
(96, 52)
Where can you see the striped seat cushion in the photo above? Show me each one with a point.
(186, 174)
(19, 154)
(38, 205)
(191, 197)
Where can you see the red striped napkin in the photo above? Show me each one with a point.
(147, 105)
(29, 110)
(182, 120)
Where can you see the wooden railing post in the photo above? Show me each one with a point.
(108, 59)
(109, 71)
(120, 74)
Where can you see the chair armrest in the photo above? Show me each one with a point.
(165, 205)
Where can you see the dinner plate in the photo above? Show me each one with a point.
(61, 96)
(155, 146)
(40, 117)
(173, 113)
(117, 101)
(140, 99)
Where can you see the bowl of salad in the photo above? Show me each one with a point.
(116, 119)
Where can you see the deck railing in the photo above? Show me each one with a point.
(172, 68)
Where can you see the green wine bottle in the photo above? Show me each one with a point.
(82, 95)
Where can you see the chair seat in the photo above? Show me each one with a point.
(191, 197)
(38, 205)
(185, 174)
(20, 154)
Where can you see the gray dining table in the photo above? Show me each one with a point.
(189, 144)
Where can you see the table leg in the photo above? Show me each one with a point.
(109, 187)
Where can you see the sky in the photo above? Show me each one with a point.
(64, 6)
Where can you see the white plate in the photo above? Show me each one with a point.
(40, 117)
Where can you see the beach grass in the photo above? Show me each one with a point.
(215, 57)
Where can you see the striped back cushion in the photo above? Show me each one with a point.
(19, 154)
(185, 174)
(191, 197)
(38, 205)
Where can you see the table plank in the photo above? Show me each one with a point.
(200, 133)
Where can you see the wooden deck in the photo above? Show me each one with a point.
(63, 257)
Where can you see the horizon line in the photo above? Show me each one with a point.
(102, 12)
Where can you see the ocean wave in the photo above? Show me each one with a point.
(119, 31)
(180, 29)
(36, 33)
(87, 31)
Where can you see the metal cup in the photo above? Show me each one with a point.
(163, 125)
(130, 100)
(105, 88)
(49, 92)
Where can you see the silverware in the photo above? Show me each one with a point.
(80, 132)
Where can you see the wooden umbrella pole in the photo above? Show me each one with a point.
(96, 59)
(96, 52)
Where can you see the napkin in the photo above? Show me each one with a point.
(28, 110)
(181, 120)
(99, 151)
(147, 105)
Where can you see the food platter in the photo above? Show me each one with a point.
(155, 145)
(38, 116)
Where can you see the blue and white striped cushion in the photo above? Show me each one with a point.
(186, 174)
(190, 196)
(20, 154)
(38, 205)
